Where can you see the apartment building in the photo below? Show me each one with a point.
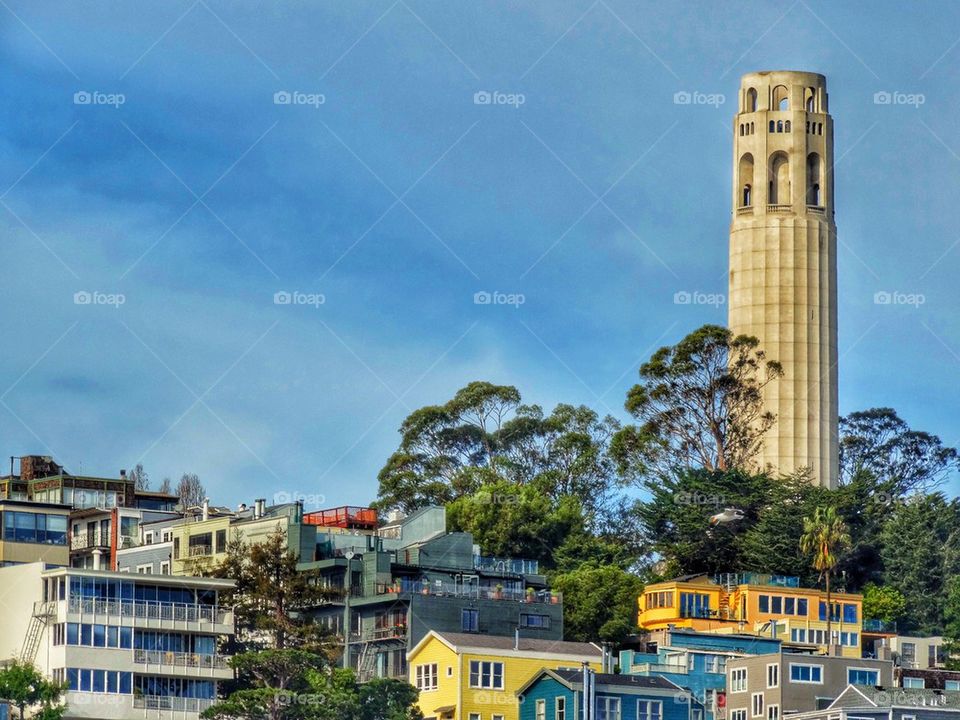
(398, 582)
(128, 646)
(773, 605)
(768, 687)
(462, 676)
(33, 531)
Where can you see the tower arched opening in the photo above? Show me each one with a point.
(781, 98)
(778, 169)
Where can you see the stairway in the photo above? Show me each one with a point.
(42, 612)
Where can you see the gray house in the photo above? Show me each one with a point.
(888, 703)
(770, 686)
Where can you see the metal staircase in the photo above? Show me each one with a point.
(42, 612)
(375, 642)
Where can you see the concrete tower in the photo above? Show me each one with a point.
(783, 261)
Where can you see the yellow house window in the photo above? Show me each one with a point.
(486, 675)
(426, 677)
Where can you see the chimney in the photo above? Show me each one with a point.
(123, 474)
(298, 517)
(206, 508)
(258, 507)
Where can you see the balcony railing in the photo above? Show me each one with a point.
(448, 589)
(199, 550)
(647, 668)
(515, 566)
(745, 210)
(149, 609)
(731, 580)
(167, 702)
(882, 626)
(180, 659)
(779, 208)
(819, 209)
(82, 541)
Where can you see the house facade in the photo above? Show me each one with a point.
(883, 703)
(768, 687)
(477, 677)
(559, 695)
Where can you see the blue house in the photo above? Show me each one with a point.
(558, 695)
(695, 661)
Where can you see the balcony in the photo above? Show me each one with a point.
(83, 541)
(732, 580)
(818, 209)
(779, 208)
(880, 626)
(184, 661)
(745, 210)
(151, 610)
(199, 551)
(168, 702)
(649, 668)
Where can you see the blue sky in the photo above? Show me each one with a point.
(386, 190)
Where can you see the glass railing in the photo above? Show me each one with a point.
(449, 589)
(180, 659)
(515, 566)
(150, 609)
(883, 626)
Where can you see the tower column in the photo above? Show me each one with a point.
(783, 262)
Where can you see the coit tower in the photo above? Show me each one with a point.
(783, 261)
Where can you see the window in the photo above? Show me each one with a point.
(764, 603)
(801, 606)
(715, 663)
(148, 538)
(145, 569)
(694, 605)
(738, 714)
(486, 675)
(908, 654)
(34, 528)
(773, 675)
(221, 541)
(849, 613)
(773, 712)
(426, 677)
(806, 673)
(534, 621)
(738, 680)
(862, 676)
(608, 708)
(164, 567)
(776, 605)
(951, 684)
(756, 705)
(914, 682)
(649, 710)
(560, 709)
(474, 716)
(659, 600)
(470, 620)
(541, 710)
(798, 635)
(789, 606)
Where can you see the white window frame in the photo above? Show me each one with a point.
(423, 674)
(738, 684)
(540, 712)
(773, 673)
(650, 704)
(609, 701)
(875, 671)
(146, 569)
(164, 567)
(921, 686)
(807, 682)
(492, 675)
(559, 708)
(738, 714)
(756, 704)
(773, 712)
(954, 685)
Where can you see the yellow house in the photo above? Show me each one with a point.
(463, 676)
(772, 605)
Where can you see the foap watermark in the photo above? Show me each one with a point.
(96, 97)
(497, 499)
(885, 97)
(295, 297)
(698, 498)
(495, 97)
(685, 297)
(296, 97)
(306, 499)
(498, 298)
(85, 297)
(684, 97)
(895, 297)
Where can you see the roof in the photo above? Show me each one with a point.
(573, 679)
(620, 680)
(464, 642)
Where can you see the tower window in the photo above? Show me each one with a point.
(746, 200)
(779, 179)
(751, 104)
(781, 97)
(814, 179)
(810, 99)
(773, 126)
(779, 126)
(746, 180)
(786, 126)
(741, 129)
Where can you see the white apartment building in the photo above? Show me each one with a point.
(130, 646)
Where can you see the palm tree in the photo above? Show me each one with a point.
(826, 538)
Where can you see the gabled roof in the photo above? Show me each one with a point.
(505, 645)
(573, 680)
